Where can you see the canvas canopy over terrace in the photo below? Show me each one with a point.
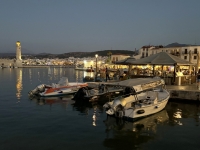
(161, 59)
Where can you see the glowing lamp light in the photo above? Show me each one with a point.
(18, 43)
(96, 67)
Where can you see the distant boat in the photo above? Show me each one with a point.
(80, 68)
(88, 69)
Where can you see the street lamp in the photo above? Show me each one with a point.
(96, 67)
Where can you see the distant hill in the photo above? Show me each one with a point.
(70, 54)
(8, 55)
(85, 54)
(12, 55)
(176, 45)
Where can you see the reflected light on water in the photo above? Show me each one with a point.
(94, 117)
(76, 73)
(55, 73)
(30, 75)
(90, 74)
(19, 85)
(178, 115)
(80, 74)
(61, 71)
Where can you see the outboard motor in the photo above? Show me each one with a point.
(37, 90)
(106, 106)
(85, 93)
(80, 93)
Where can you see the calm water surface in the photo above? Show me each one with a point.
(60, 124)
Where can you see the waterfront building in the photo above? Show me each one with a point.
(182, 52)
(188, 53)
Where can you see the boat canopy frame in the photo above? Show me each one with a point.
(139, 85)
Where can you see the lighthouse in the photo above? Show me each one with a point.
(18, 61)
(18, 50)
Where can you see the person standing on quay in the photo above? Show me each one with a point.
(107, 74)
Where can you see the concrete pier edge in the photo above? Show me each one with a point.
(184, 92)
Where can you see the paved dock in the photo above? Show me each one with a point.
(191, 87)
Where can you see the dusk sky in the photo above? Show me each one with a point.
(61, 26)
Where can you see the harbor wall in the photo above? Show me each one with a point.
(7, 63)
(188, 92)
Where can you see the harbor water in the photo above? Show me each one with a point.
(60, 123)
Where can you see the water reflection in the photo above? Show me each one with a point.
(178, 114)
(143, 125)
(49, 75)
(83, 107)
(53, 100)
(55, 73)
(81, 74)
(19, 85)
(94, 117)
(92, 109)
(179, 111)
(131, 134)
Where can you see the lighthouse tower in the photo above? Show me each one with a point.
(18, 51)
(18, 61)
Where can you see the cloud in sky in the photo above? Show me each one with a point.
(76, 25)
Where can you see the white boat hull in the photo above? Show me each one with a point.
(133, 113)
(134, 109)
(58, 89)
(59, 92)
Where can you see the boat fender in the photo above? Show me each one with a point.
(141, 111)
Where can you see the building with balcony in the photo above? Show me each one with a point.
(182, 52)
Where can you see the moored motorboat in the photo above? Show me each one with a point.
(148, 97)
(81, 69)
(63, 87)
(98, 90)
